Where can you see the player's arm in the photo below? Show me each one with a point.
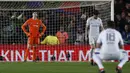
(121, 43)
(44, 41)
(43, 29)
(24, 28)
(101, 25)
(66, 37)
(99, 41)
(86, 29)
(58, 42)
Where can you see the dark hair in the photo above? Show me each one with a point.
(96, 12)
(110, 24)
(52, 33)
(126, 23)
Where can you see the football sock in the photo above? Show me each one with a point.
(26, 54)
(34, 53)
(97, 59)
(123, 60)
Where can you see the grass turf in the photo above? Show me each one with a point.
(57, 67)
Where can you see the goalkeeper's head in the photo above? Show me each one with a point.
(34, 14)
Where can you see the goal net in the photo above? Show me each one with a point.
(71, 16)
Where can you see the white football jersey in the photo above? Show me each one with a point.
(110, 40)
(94, 25)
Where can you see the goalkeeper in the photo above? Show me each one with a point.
(33, 34)
(50, 40)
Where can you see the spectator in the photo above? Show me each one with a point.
(14, 15)
(80, 36)
(126, 34)
(84, 16)
(62, 35)
(122, 21)
(127, 7)
(119, 6)
(72, 32)
(7, 28)
(45, 21)
(83, 19)
(50, 40)
(52, 24)
(128, 18)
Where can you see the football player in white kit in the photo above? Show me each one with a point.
(93, 23)
(110, 47)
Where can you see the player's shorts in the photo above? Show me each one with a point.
(33, 40)
(111, 56)
(93, 40)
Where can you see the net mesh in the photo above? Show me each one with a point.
(71, 15)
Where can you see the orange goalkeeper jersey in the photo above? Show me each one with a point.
(34, 26)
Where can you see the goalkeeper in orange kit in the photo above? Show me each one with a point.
(33, 34)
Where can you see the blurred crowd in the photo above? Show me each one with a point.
(72, 24)
(122, 18)
(55, 21)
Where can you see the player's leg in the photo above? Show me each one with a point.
(98, 60)
(34, 52)
(123, 60)
(36, 42)
(26, 53)
(29, 45)
(91, 54)
(92, 45)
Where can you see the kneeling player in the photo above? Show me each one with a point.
(111, 48)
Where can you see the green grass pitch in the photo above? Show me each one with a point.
(57, 67)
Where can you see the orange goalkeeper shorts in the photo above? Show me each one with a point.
(33, 40)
